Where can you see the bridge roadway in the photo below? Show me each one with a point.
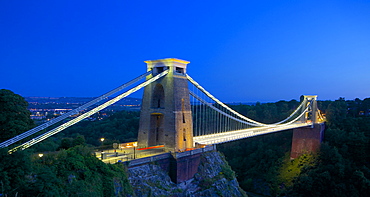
(219, 138)
(127, 154)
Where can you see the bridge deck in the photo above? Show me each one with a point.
(245, 133)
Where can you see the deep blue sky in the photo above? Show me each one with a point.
(239, 50)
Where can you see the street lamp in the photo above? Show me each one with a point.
(40, 155)
(102, 140)
(134, 150)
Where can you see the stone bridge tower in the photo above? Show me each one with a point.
(312, 114)
(308, 139)
(165, 117)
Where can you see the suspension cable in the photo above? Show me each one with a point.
(72, 112)
(233, 111)
(292, 114)
(87, 114)
(241, 121)
(220, 103)
(219, 111)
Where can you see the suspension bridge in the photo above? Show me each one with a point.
(177, 112)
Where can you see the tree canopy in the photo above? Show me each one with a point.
(340, 168)
(14, 115)
(72, 172)
(262, 164)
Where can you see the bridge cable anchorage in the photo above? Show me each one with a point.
(87, 114)
(236, 113)
(72, 112)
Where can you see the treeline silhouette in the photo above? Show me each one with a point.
(340, 168)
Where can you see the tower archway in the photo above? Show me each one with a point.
(158, 97)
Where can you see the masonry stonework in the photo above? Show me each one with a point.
(165, 117)
(307, 140)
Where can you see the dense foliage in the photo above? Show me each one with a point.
(267, 112)
(256, 160)
(14, 116)
(341, 168)
(262, 164)
(122, 126)
(72, 171)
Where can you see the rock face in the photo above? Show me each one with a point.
(214, 178)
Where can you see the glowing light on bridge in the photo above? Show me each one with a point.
(214, 122)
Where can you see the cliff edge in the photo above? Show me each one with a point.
(213, 178)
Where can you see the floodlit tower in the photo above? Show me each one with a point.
(312, 114)
(165, 117)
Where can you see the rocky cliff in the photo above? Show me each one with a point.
(214, 178)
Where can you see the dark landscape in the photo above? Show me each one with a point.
(261, 164)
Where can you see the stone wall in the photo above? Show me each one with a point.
(214, 177)
(307, 140)
(180, 166)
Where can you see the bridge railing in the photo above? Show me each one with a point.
(145, 160)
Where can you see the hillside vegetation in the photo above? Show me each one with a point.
(73, 171)
(262, 164)
(340, 168)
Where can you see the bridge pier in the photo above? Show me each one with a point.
(184, 168)
(180, 166)
(307, 140)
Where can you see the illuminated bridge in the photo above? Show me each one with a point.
(177, 112)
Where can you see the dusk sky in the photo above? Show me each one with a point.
(240, 51)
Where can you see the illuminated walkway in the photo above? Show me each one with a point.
(245, 133)
(126, 154)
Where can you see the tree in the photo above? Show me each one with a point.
(15, 171)
(336, 113)
(341, 167)
(14, 116)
